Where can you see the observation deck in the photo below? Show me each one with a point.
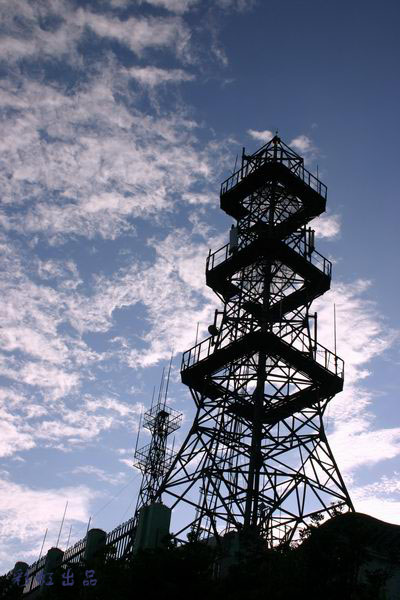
(285, 343)
(309, 264)
(267, 166)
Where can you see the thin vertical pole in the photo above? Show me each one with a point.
(152, 398)
(160, 391)
(62, 523)
(234, 168)
(334, 326)
(40, 556)
(197, 332)
(168, 376)
(315, 334)
(334, 332)
(138, 431)
(88, 525)
(69, 537)
(41, 549)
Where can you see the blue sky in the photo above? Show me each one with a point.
(120, 118)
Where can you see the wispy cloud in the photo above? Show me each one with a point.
(175, 6)
(263, 136)
(88, 164)
(101, 474)
(381, 498)
(153, 76)
(26, 37)
(361, 337)
(305, 147)
(327, 225)
(25, 514)
(171, 289)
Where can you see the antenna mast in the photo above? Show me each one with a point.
(155, 458)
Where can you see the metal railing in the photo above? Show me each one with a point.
(294, 338)
(117, 541)
(75, 553)
(313, 256)
(120, 537)
(33, 575)
(255, 162)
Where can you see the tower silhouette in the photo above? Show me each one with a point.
(154, 459)
(256, 457)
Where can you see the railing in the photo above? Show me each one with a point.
(294, 338)
(33, 575)
(255, 162)
(76, 552)
(313, 256)
(304, 343)
(119, 539)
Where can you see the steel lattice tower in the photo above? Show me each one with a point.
(256, 457)
(154, 459)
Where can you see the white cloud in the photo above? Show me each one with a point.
(355, 444)
(361, 331)
(102, 164)
(26, 37)
(302, 144)
(13, 439)
(77, 427)
(361, 337)
(175, 6)
(25, 514)
(327, 226)
(386, 485)
(379, 498)
(140, 33)
(101, 474)
(305, 147)
(263, 136)
(128, 462)
(172, 290)
(153, 76)
(199, 198)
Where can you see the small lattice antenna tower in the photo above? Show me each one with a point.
(154, 459)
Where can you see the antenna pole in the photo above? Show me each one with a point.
(161, 386)
(69, 537)
(140, 423)
(334, 326)
(62, 523)
(40, 556)
(197, 332)
(41, 549)
(152, 398)
(168, 376)
(88, 525)
(236, 159)
(315, 334)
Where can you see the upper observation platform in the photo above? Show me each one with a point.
(274, 162)
(283, 342)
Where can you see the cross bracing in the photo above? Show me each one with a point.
(257, 456)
